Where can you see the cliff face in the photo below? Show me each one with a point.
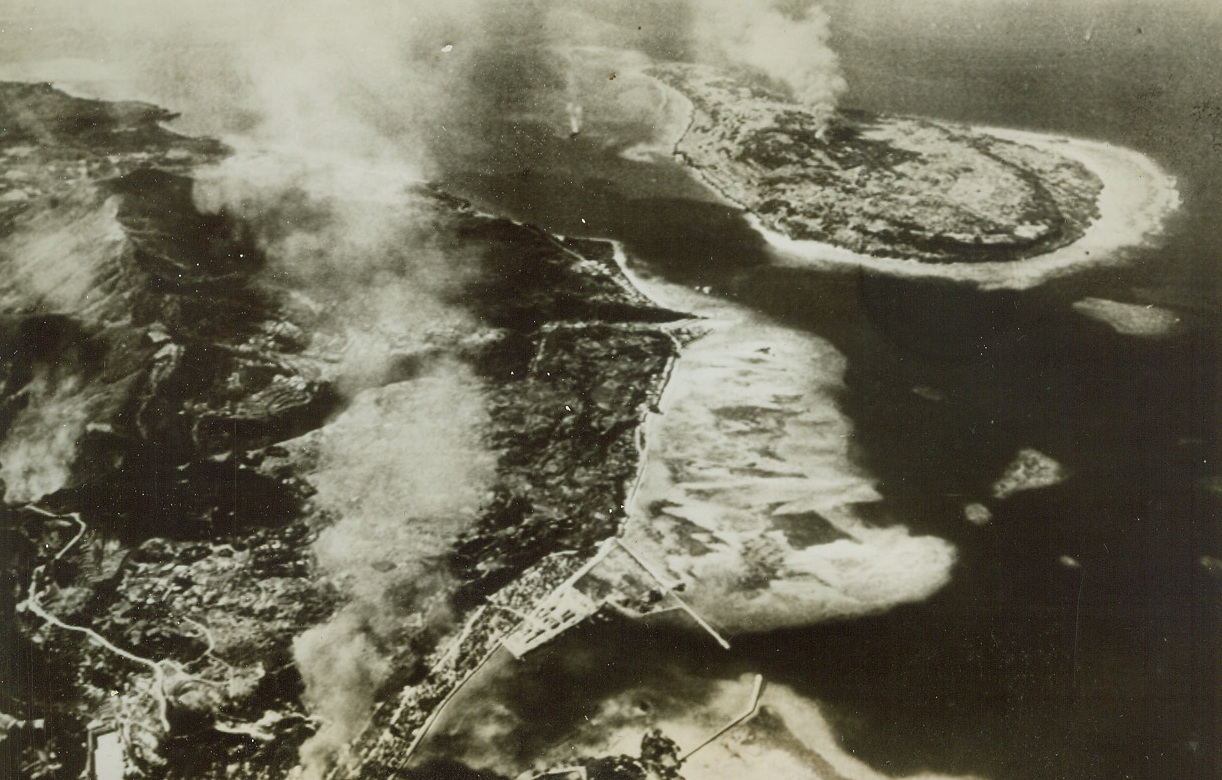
(164, 387)
(887, 186)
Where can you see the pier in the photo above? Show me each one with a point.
(608, 580)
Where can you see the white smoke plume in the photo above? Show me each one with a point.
(404, 80)
(787, 40)
(343, 669)
(404, 471)
(40, 444)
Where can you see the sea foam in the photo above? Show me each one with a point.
(750, 441)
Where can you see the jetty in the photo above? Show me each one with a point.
(616, 578)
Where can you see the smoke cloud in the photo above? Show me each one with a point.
(787, 40)
(408, 81)
(375, 259)
(40, 443)
(404, 471)
(343, 668)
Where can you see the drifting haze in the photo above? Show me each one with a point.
(404, 471)
(406, 80)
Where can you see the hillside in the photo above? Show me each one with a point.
(185, 413)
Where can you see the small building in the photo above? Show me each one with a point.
(107, 760)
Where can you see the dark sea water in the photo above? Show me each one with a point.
(1022, 666)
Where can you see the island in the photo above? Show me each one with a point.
(909, 195)
(895, 186)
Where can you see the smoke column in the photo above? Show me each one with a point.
(785, 39)
(404, 469)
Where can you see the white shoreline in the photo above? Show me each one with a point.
(1137, 196)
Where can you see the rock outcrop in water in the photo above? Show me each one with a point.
(887, 186)
(158, 385)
